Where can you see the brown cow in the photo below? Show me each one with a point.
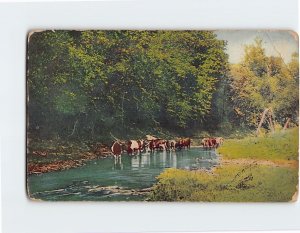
(186, 142)
(116, 149)
(178, 144)
(151, 146)
(156, 144)
(172, 144)
(213, 142)
(168, 145)
(160, 144)
(183, 143)
(209, 143)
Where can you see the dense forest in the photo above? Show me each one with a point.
(94, 84)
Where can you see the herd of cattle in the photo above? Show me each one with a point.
(151, 144)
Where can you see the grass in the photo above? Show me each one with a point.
(238, 182)
(278, 146)
(231, 183)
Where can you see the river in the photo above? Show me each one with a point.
(107, 180)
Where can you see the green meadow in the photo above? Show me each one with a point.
(251, 181)
(281, 145)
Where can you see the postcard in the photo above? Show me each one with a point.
(177, 116)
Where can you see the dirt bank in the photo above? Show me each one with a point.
(62, 158)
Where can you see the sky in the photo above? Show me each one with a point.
(285, 42)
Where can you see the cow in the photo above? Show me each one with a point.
(209, 143)
(116, 149)
(204, 143)
(213, 142)
(178, 144)
(160, 144)
(172, 144)
(151, 146)
(186, 143)
(133, 146)
(143, 145)
(168, 145)
(157, 144)
(140, 143)
(219, 141)
(183, 143)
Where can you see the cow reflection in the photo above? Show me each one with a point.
(173, 159)
(118, 165)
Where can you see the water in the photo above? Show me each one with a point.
(105, 179)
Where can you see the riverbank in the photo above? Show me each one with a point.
(53, 155)
(261, 169)
(50, 155)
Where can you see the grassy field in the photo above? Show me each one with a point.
(251, 180)
(281, 145)
(236, 183)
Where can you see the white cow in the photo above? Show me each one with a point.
(219, 140)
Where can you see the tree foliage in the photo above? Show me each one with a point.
(91, 83)
(260, 82)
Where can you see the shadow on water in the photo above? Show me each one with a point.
(111, 180)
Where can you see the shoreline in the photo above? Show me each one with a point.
(60, 165)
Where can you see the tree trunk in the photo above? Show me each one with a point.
(286, 125)
(271, 124)
(271, 120)
(262, 120)
(74, 128)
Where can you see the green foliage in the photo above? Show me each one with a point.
(231, 183)
(87, 84)
(91, 83)
(261, 82)
(278, 146)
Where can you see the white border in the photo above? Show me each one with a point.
(21, 215)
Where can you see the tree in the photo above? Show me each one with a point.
(264, 88)
(87, 84)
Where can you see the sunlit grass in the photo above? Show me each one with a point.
(278, 146)
(233, 183)
(249, 182)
